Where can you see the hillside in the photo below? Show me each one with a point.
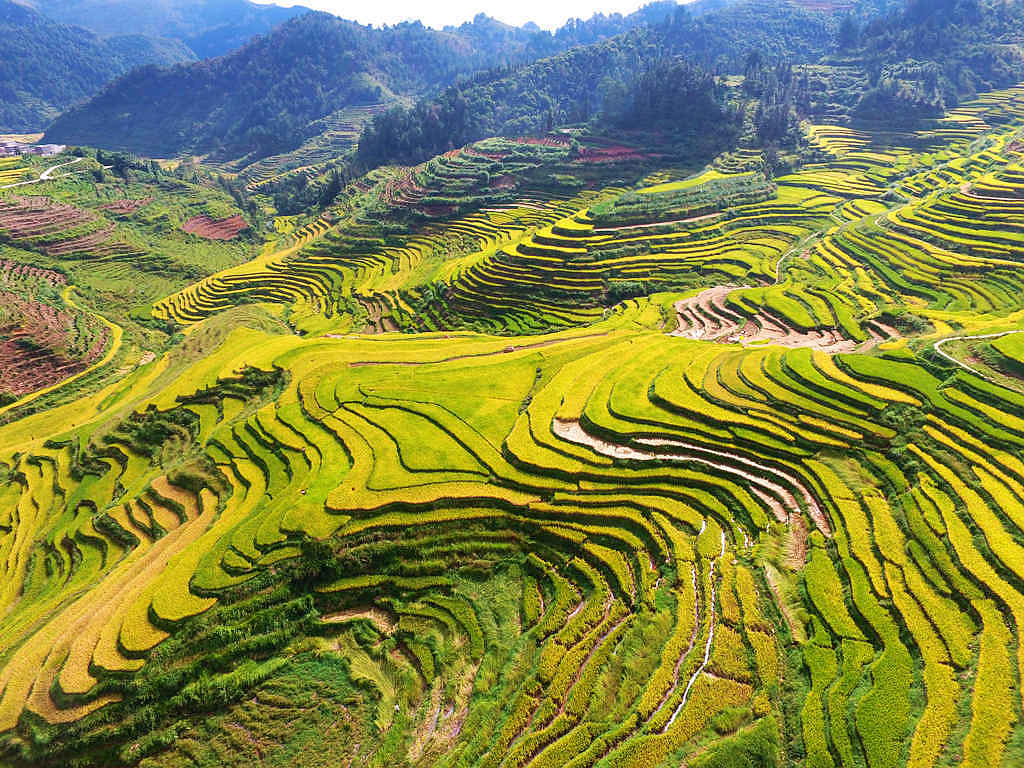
(207, 27)
(561, 451)
(935, 54)
(258, 100)
(854, 62)
(644, 394)
(596, 81)
(46, 67)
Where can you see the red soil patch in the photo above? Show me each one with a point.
(610, 154)
(12, 272)
(213, 229)
(40, 218)
(58, 229)
(24, 368)
(33, 348)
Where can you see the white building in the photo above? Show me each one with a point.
(47, 150)
(14, 148)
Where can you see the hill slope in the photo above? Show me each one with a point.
(262, 98)
(599, 79)
(208, 27)
(45, 67)
(750, 500)
(892, 65)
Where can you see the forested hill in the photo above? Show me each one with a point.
(262, 99)
(45, 67)
(605, 80)
(208, 27)
(933, 55)
(869, 62)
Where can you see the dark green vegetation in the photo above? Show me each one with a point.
(46, 67)
(207, 27)
(571, 89)
(900, 67)
(259, 101)
(937, 53)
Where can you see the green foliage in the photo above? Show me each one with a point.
(683, 201)
(756, 746)
(36, 85)
(258, 100)
(604, 79)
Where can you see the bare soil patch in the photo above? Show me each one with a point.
(215, 229)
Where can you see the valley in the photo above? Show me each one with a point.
(632, 501)
(680, 423)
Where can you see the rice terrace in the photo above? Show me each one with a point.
(648, 392)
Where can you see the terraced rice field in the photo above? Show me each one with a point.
(79, 255)
(43, 338)
(725, 506)
(59, 229)
(333, 136)
(11, 170)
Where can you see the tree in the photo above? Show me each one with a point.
(848, 33)
(330, 191)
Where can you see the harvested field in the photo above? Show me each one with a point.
(211, 229)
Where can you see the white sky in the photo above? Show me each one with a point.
(548, 15)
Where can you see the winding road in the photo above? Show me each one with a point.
(46, 175)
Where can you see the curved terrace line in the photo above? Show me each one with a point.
(116, 332)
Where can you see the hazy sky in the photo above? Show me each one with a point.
(437, 14)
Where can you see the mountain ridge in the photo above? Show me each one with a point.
(45, 66)
(225, 107)
(208, 28)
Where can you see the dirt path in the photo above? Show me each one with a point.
(46, 175)
(505, 351)
(796, 629)
(381, 619)
(945, 355)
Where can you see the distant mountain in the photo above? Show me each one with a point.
(46, 67)
(600, 79)
(208, 27)
(871, 60)
(265, 97)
